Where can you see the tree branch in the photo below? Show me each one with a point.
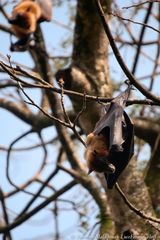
(134, 209)
(130, 76)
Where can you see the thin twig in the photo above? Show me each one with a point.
(71, 172)
(23, 186)
(73, 93)
(41, 109)
(139, 4)
(135, 22)
(77, 118)
(5, 214)
(141, 36)
(72, 126)
(154, 150)
(133, 208)
(119, 58)
(21, 149)
(41, 206)
(153, 225)
(157, 58)
(81, 111)
(44, 161)
(3, 11)
(37, 194)
(8, 157)
(61, 82)
(59, 159)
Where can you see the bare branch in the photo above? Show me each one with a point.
(43, 111)
(130, 76)
(5, 214)
(141, 36)
(61, 82)
(8, 158)
(134, 209)
(140, 4)
(135, 22)
(47, 86)
(50, 199)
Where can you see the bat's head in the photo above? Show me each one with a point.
(21, 20)
(97, 154)
(100, 163)
(108, 168)
(25, 15)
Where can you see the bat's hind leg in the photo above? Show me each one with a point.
(21, 45)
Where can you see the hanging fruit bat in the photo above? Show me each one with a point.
(111, 145)
(25, 17)
(97, 153)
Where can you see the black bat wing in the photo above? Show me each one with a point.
(110, 124)
(121, 159)
(118, 129)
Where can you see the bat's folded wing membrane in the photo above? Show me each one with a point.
(46, 7)
(121, 159)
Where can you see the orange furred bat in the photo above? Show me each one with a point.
(25, 17)
(111, 145)
(97, 153)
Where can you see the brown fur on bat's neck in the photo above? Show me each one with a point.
(97, 154)
(96, 147)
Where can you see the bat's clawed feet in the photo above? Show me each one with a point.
(110, 168)
(116, 148)
(18, 48)
(21, 45)
(105, 165)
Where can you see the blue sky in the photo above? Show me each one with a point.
(24, 165)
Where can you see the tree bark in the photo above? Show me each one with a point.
(149, 130)
(90, 70)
